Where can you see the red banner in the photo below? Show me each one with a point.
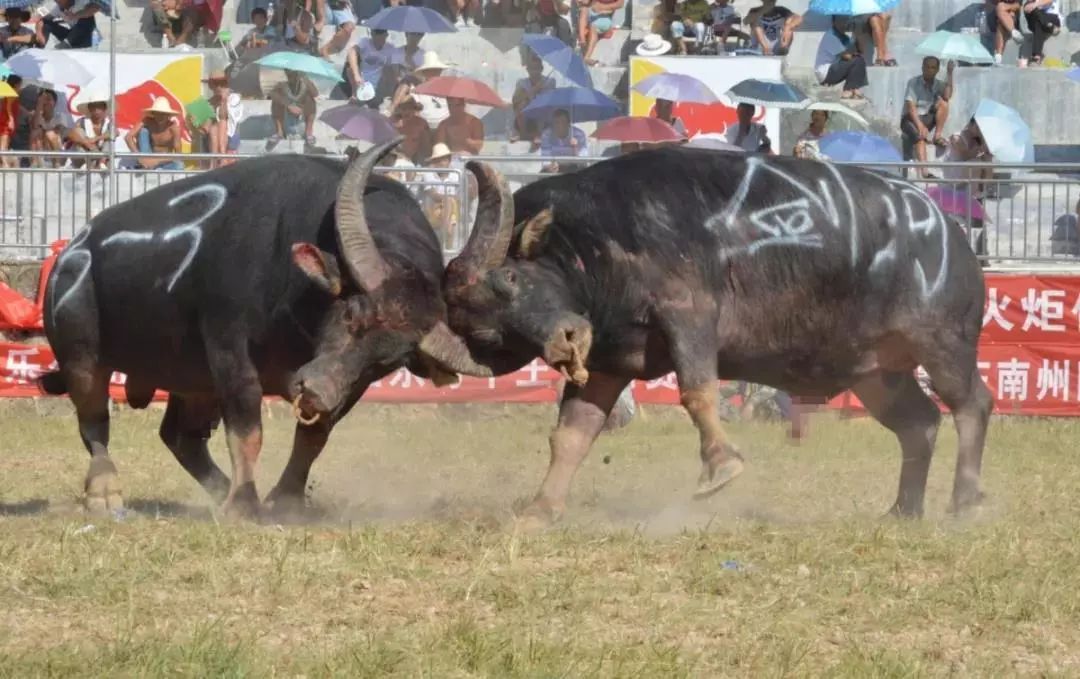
(1029, 356)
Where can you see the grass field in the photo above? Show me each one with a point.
(415, 570)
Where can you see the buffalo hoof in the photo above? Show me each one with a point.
(535, 518)
(968, 505)
(242, 504)
(285, 507)
(103, 492)
(717, 473)
(898, 511)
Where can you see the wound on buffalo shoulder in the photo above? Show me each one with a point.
(532, 235)
(319, 266)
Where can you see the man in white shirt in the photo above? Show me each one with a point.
(748, 135)
(838, 61)
(365, 67)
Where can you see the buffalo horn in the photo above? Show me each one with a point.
(449, 350)
(494, 227)
(362, 258)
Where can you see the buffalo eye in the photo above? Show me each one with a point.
(505, 282)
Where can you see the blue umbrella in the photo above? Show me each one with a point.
(301, 63)
(408, 19)
(17, 4)
(852, 7)
(956, 46)
(1074, 75)
(1007, 135)
(676, 87)
(858, 147)
(561, 57)
(582, 104)
(768, 93)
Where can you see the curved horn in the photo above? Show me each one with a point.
(361, 257)
(494, 227)
(449, 350)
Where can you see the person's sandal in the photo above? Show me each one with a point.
(272, 141)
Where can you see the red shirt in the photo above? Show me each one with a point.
(9, 116)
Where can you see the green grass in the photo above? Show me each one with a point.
(414, 569)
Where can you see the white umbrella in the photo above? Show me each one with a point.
(49, 68)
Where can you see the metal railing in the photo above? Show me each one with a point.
(44, 204)
(1022, 203)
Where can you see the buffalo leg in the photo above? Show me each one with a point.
(185, 430)
(720, 460)
(240, 394)
(582, 414)
(897, 401)
(955, 378)
(287, 497)
(89, 390)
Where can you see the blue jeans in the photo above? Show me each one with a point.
(145, 146)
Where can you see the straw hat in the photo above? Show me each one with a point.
(431, 62)
(217, 75)
(438, 151)
(92, 97)
(653, 45)
(161, 105)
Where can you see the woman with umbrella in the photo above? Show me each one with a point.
(665, 110)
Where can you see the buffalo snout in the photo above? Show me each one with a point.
(567, 348)
(315, 395)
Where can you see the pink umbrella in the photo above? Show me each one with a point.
(956, 202)
(640, 129)
(452, 86)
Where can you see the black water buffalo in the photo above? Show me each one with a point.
(287, 275)
(802, 275)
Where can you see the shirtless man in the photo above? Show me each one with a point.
(157, 132)
(462, 132)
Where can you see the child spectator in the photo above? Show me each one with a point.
(263, 34)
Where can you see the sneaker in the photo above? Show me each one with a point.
(997, 59)
(272, 142)
(1018, 37)
(459, 23)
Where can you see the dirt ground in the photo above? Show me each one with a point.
(414, 567)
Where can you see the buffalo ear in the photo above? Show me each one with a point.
(321, 267)
(532, 236)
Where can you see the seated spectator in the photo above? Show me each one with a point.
(157, 132)
(367, 78)
(9, 120)
(1044, 20)
(263, 34)
(439, 194)
(594, 20)
(93, 132)
(291, 102)
(70, 28)
(178, 23)
(562, 139)
(690, 21)
(434, 109)
(222, 130)
(665, 110)
(462, 132)
(344, 21)
(16, 36)
(724, 20)
(411, 56)
(1065, 240)
(746, 134)
(526, 90)
(299, 24)
(417, 144)
(875, 27)
(806, 146)
(47, 129)
(839, 62)
(773, 28)
(926, 108)
(552, 16)
(969, 146)
(1001, 18)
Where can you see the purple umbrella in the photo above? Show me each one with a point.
(676, 87)
(956, 202)
(359, 122)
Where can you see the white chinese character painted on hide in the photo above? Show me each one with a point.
(1013, 380)
(1045, 310)
(923, 378)
(666, 382)
(1053, 378)
(405, 379)
(994, 309)
(533, 370)
(19, 368)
